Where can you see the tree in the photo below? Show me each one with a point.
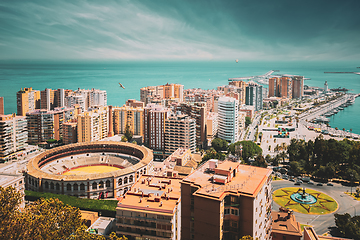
(250, 149)
(42, 219)
(124, 139)
(347, 225)
(247, 121)
(128, 133)
(219, 144)
(260, 161)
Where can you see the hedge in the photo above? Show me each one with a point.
(104, 207)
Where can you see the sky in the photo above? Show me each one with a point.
(180, 30)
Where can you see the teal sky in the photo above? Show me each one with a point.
(180, 30)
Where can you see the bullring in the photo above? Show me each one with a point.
(125, 162)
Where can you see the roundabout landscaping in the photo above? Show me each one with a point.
(307, 201)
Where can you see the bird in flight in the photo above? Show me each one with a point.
(121, 86)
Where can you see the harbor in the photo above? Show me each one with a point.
(317, 118)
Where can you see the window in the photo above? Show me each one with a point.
(101, 184)
(82, 187)
(75, 187)
(108, 183)
(94, 186)
(120, 182)
(46, 185)
(125, 180)
(57, 186)
(68, 187)
(51, 185)
(131, 178)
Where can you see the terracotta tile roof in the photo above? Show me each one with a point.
(285, 223)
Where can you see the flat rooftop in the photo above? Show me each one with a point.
(248, 180)
(152, 194)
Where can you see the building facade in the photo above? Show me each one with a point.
(197, 111)
(226, 201)
(151, 209)
(254, 96)
(13, 134)
(298, 86)
(128, 116)
(180, 132)
(92, 125)
(228, 119)
(154, 127)
(27, 100)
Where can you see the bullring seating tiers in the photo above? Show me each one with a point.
(65, 164)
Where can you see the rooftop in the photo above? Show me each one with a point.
(285, 223)
(241, 179)
(152, 194)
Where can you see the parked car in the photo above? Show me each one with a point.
(319, 184)
(330, 184)
(297, 183)
(292, 180)
(311, 183)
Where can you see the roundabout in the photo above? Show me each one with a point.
(307, 201)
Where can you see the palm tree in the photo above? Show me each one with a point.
(336, 128)
(344, 129)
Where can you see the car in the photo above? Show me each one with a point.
(292, 180)
(311, 183)
(297, 183)
(330, 184)
(319, 184)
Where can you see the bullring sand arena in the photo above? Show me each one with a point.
(89, 170)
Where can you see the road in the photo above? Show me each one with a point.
(322, 223)
(252, 128)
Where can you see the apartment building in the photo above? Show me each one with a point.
(167, 91)
(135, 103)
(242, 86)
(128, 116)
(154, 128)
(180, 132)
(228, 119)
(211, 126)
(92, 125)
(13, 134)
(298, 86)
(86, 98)
(285, 226)
(254, 96)
(151, 209)
(199, 95)
(226, 200)
(27, 100)
(197, 111)
(70, 131)
(43, 125)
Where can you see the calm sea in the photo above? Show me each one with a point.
(134, 75)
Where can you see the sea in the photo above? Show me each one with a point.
(133, 75)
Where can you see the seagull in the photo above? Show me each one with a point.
(121, 86)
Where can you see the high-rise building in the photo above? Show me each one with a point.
(298, 86)
(86, 98)
(151, 209)
(92, 125)
(285, 87)
(228, 122)
(76, 99)
(254, 95)
(40, 124)
(134, 103)
(274, 86)
(154, 128)
(180, 132)
(47, 99)
(27, 100)
(70, 132)
(226, 200)
(1, 105)
(128, 116)
(197, 111)
(43, 125)
(13, 134)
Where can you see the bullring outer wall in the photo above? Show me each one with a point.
(110, 184)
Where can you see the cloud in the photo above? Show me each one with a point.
(195, 30)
